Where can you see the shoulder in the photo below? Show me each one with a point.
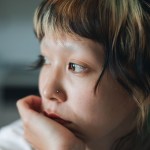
(11, 137)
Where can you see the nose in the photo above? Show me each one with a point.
(53, 88)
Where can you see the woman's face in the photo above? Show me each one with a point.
(67, 80)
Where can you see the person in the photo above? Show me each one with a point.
(94, 82)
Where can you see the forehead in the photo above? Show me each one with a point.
(70, 41)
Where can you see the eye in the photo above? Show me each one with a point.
(76, 68)
(40, 62)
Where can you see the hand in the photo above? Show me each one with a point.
(42, 132)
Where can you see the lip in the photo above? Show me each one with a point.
(57, 118)
(68, 124)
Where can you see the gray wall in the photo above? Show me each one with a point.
(18, 48)
(18, 44)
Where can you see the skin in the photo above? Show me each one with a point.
(97, 120)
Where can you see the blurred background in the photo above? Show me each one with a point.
(18, 49)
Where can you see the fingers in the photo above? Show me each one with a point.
(41, 131)
(30, 111)
(28, 106)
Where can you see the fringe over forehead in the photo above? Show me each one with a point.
(70, 16)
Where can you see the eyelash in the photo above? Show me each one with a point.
(38, 63)
(71, 66)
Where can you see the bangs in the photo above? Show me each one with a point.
(75, 17)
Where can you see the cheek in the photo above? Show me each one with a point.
(107, 109)
(83, 102)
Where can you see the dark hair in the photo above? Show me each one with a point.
(122, 26)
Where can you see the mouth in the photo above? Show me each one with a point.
(56, 118)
